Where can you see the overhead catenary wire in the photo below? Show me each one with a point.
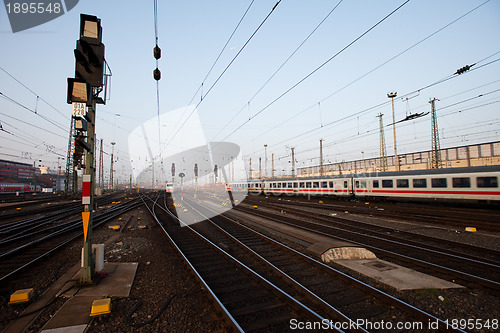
(34, 93)
(225, 69)
(215, 62)
(32, 111)
(317, 69)
(385, 63)
(155, 13)
(279, 68)
(449, 77)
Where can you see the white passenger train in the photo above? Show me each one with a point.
(473, 183)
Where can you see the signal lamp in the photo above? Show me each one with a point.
(79, 91)
(90, 29)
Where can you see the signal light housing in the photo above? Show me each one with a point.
(79, 91)
(89, 62)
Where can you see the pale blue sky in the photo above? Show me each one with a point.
(191, 35)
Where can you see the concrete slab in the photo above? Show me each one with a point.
(75, 313)
(117, 283)
(70, 329)
(399, 277)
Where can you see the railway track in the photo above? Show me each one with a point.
(484, 219)
(466, 265)
(330, 294)
(22, 250)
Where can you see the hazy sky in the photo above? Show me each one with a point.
(325, 105)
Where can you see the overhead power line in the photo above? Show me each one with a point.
(279, 68)
(227, 67)
(385, 63)
(33, 111)
(200, 87)
(317, 69)
(449, 77)
(34, 93)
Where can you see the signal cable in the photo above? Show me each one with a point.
(227, 67)
(318, 68)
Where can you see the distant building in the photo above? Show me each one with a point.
(15, 172)
(461, 156)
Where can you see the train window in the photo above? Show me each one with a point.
(487, 182)
(402, 183)
(331, 184)
(461, 182)
(439, 182)
(324, 184)
(345, 183)
(419, 182)
(363, 184)
(295, 185)
(357, 183)
(386, 182)
(279, 185)
(375, 183)
(284, 185)
(316, 184)
(308, 184)
(290, 185)
(302, 184)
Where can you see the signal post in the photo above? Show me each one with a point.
(83, 93)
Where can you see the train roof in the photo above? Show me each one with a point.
(442, 171)
(478, 169)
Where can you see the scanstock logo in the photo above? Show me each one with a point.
(25, 15)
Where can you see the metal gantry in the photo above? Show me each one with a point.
(383, 150)
(435, 146)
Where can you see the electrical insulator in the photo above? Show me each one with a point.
(157, 52)
(463, 69)
(157, 74)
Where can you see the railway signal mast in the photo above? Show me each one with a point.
(83, 94)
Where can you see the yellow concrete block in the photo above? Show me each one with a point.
(321, 201)
(21, 296)
(101, 306)
(18, 208)
(114, 227)
(255, 207)
(470, 229)
(141, 227)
